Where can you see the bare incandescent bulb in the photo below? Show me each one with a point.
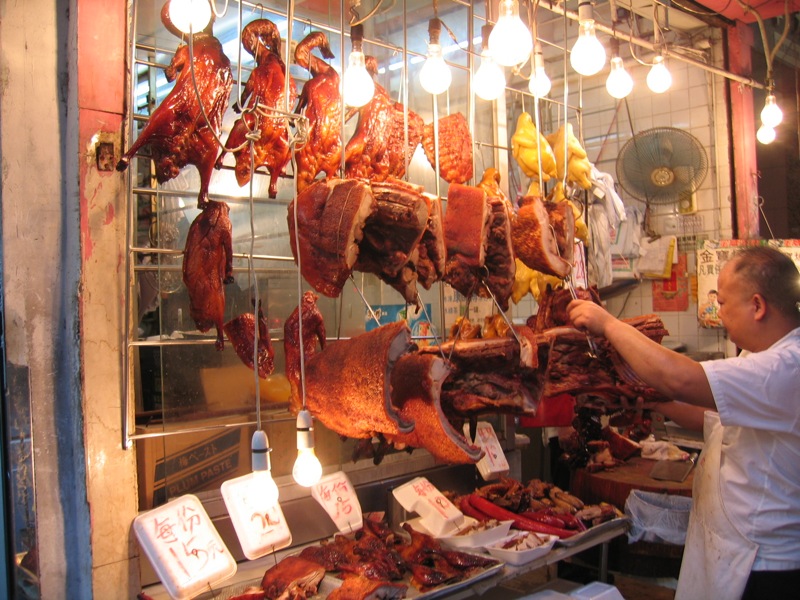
(765, 135)
(190, 15)
(307, 469)
(771, 114)
(540, 84)
(358, 88)
(659, 79)
(435, 76)
(588, 55)
(510, 41)
(619, 83)
(489, 80)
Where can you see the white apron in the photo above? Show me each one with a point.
(717, 559)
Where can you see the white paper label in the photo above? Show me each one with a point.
(493, 464)
(259, 524)
(438, 514)
(336, 495)
(184, 547)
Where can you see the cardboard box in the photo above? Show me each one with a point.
(184, 463)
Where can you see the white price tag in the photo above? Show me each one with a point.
(438, 515)
(336, 495)
(184, 547)
(258, 522)
(493, 465)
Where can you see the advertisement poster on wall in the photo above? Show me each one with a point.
(710, 260)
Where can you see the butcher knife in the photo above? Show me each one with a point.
(673, 470)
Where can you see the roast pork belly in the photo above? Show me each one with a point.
(331, 215)
(496, 375)
(321, 103)
(265, 91)
(431, 249)
(534, 240)
(562, 220)
(177, 133)
(466, 232)
(500, 265)
(416, 388)
(241, 333)
(208, 266)
(292, 578)
(378, 149)
(348, 382)
(454, 148)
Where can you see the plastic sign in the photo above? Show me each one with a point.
(493, 465)
(184, 548)
(336, 495)
(437, 514)
(259, 522)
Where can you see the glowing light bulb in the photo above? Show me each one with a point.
(659, 78)
(588, 55)
(190, 15)
(489, 80)
(357, 84)
(435, 76)
(771, 114)
(765, 135)
(307, 469)
(619, 83)
(510, 41)
(539, 84)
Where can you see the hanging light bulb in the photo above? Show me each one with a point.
(771, 114)
(659, 78)
(619, 83)
(539, 85)
(435, 76)
(265, 485)
(765, 135)
(307, 470)
(357, 84)
(588, 55)
(190, 15)
(489, 81)
(510, 41)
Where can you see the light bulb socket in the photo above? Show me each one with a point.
(613, 45)
(585, 11)
(259, 449)
(486, 31)
(305, 430)
(357, 36)
(538, 55)
(434, 30)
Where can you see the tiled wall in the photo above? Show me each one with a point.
(695, 103)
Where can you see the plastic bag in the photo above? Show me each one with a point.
(657, 517)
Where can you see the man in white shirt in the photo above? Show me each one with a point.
(744, 532)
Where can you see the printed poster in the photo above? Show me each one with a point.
(710, 260)
(672, 295)
(417, 321)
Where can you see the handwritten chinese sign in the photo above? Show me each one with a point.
(336, 495)
(259, 523)
(184, 547)
(437, 513)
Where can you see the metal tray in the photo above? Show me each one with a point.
(592, 532)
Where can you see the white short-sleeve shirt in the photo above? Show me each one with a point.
(758, 400)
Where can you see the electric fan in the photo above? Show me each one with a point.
(662, 165)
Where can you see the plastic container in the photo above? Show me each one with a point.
(469, 541)
(520, 557)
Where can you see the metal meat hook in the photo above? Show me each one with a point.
(571, 287)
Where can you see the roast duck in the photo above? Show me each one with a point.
(179, 132)
(241, 332)
(264, 93)
(321, 103)
(383, 141)
(373, 563)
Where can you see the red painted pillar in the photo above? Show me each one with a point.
(743, 135)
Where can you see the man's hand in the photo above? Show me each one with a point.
(589, 316)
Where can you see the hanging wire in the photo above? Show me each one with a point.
(769, 55)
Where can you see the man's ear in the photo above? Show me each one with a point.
(759, 307)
